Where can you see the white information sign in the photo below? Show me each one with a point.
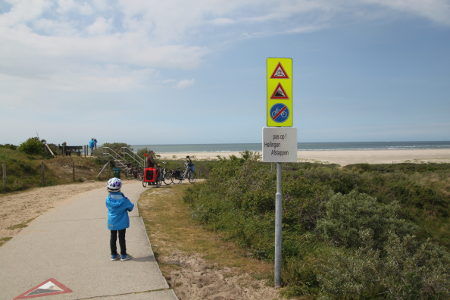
(279, 144)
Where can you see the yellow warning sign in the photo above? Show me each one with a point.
(279, 100)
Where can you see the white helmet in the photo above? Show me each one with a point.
(114, 185)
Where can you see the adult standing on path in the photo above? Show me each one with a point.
(67, 245)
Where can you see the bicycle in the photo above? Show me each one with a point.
(188, 173)
(176, 175)
(164, 175)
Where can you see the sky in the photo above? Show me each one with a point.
(193, 72)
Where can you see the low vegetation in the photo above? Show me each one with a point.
(197, 263)
(362, 231)
(26, 163)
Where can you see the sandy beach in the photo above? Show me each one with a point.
(341, 157)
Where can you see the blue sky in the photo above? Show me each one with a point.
(153, 72)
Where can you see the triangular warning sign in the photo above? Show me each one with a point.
(279, 72)
(279, 93)
(46, 288)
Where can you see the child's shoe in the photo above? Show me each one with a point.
(125, 257)
(115, 257)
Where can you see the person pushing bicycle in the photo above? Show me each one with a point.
(189, 164)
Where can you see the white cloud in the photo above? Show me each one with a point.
(124, 43)
(182, 84)
(100, 26)
(66, 6)
(436, 10)
(222, 21)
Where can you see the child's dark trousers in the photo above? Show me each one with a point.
(123, 246)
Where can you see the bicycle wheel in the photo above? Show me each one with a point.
(157, 183)
(191, 177)
(179, 177)
(167, 178)
(172, 176)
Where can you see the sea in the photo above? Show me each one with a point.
(301, 146)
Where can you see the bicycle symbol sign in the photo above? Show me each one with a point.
(279, 112)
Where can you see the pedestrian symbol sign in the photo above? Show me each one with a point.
(279, 72)
(279, 93)
(279, 99)
(279, 113)
(46, 288)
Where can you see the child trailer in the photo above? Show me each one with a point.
(151, 177)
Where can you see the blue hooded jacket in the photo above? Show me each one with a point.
(118, 207)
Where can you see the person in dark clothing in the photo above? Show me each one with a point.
(189, 164)
(150, 160)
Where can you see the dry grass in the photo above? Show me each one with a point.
(171, 228)
(4, 240)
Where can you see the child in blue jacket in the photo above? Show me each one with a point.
(118, 221)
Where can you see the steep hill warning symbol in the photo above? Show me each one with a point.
(279, 72)
(46, 288)
(279, 93)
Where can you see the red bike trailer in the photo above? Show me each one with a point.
(150, 177)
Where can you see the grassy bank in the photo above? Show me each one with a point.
(24, 170)
(371, 231)
(197, 263)
(170, 226)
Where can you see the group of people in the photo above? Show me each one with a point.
(92, 145)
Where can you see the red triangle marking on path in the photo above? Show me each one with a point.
(279, 72)
(279, 93)
(49, 287)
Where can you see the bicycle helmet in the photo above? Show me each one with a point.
(114, 185)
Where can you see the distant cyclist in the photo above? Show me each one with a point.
(189, 164)
(150, 160)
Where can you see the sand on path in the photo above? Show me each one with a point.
(19, 208)
(342, 157)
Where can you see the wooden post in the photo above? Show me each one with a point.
(73, 171)
(98, 175)
(42, 174)
(4, 176)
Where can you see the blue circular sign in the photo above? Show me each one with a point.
(279, 112)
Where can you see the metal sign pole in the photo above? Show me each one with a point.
(278, 226)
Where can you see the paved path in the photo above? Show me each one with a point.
(70, 243)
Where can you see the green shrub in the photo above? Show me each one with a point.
(349, 217)
(32, 146)
(9, 146)
(23, 170)
(404, 269)
(143, 151)
(347, 232)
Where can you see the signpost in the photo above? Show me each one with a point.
(279, 138)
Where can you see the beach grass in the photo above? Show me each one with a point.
(358, 231)
(24, 171)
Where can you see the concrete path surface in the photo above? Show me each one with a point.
(70, 243)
